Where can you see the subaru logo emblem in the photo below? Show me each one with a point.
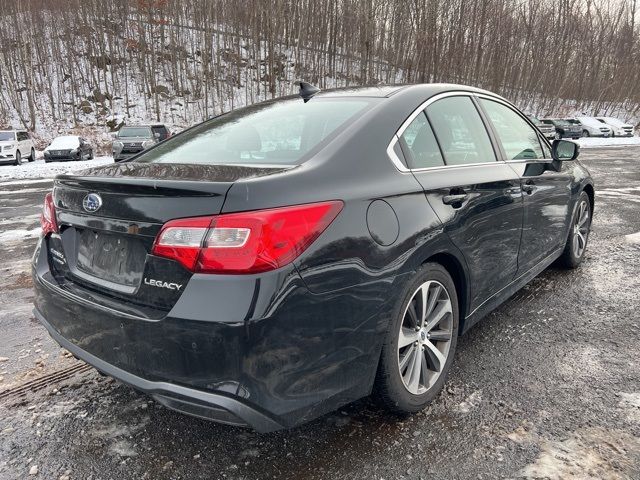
(92, 202)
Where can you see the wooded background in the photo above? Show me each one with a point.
(99, 63)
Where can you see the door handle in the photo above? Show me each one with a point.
(455, 199)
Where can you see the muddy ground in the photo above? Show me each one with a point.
(548, 386)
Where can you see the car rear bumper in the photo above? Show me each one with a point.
(263, 352)
(211, 406)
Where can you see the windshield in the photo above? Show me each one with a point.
(4, 136)
(561, 122)
(65, 142)
(278, 132)
(127, 132)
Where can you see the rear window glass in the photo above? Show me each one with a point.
(280, 132)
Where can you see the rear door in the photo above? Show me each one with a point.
(477, 198)
(546, 184)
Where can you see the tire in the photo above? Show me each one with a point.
(32, 157)
(558, 136)
(578, 234)
(585, 133)
(18, 159)
(613, 134)
(403, 393)
(91, 154)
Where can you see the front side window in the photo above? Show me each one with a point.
(278, 132)
(519, 139)
(461, 134)
(421, 145)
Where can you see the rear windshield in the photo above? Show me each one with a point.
(4, 136)
(134, 132)
(282, 132)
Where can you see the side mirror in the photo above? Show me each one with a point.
(564, 150)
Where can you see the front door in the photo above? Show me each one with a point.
(477, 198)
(546, 185)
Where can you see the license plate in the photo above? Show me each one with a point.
(115, 258)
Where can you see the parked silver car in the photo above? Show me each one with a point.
(549, 131)
(131, 140)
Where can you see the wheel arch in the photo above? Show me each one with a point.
(455, 268)
(588, 188)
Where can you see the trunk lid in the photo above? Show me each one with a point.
(108, 219)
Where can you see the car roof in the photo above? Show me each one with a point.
(382, 91)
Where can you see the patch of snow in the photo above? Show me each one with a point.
(592, 142)
(633, 238)
(20, 191)
(471, 402)
(40, 169)
(25, 182)
(19, 234)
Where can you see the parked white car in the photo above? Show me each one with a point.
(591, 127)
(16, 145)
(618, 127)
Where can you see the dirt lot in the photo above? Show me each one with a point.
(548, 386)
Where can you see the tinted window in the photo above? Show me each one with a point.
(22, 136)
(460, 131)
(421, 145)
(279, 132)
(519, 139)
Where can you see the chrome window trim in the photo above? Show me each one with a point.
(397, 162)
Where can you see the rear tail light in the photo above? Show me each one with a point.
(246, 242)
(48, 217)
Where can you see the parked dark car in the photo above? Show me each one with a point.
(68, 148)
(162, 131)
(564, 129)
(549, 131)
(284, 259)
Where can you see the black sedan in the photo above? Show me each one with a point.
(68, 148)
(284, 259)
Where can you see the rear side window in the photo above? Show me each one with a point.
(519, 139)
(279, 132)
(461, 134)
(421, 145)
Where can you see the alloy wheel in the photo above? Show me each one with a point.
(581, 229)
(425, 336)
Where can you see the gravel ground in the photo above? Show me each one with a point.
(547, 386)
